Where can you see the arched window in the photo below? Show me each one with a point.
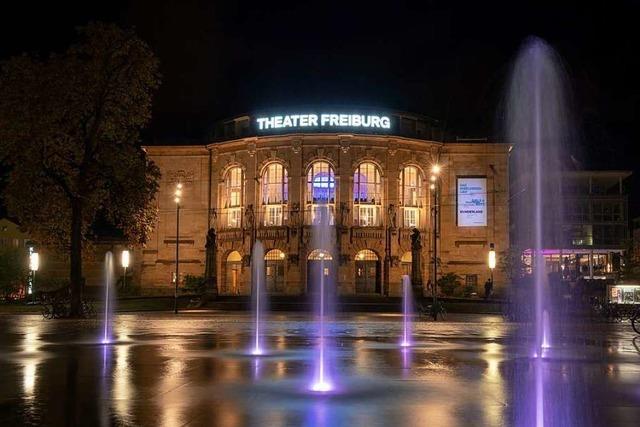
(321, 193)
(410, 193)
(274, 262)
(232, 267)
(367, 195)
(233, 196)
(319, 254)
(275, 194)
(367, 271)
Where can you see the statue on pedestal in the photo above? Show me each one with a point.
(210, 262)
(416, 267)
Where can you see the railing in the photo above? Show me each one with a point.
(272, 233)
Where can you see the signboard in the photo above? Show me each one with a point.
(326, 121)
(472, 201)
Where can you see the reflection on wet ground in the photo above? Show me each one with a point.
(194, 370)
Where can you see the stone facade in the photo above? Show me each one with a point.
(371, 245)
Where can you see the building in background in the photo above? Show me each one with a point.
(595, 230)
(12, 236)
(271, 177)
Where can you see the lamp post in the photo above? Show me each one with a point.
(34, 264)
(177, 199)
(492, 259)
(124, 260)
(434, 186)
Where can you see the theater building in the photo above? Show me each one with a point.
(270, 177)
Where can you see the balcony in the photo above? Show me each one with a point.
(273, 233)
(376, 233)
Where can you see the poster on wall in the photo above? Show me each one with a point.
(472, 202)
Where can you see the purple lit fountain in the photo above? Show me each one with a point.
(108, 297)
(407, 311)
(259, 299)
(537, 124)
(323, 230)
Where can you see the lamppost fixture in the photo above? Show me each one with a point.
(492, 259)
(124, 261)
(34, 264)
(435, 174)
(177, 199)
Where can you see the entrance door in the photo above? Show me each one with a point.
(316, 261)
(367, 271)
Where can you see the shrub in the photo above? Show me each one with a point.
(449, 284)
(13, 271)
(194, 284)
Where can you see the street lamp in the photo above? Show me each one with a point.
(435, 174)
(124, 260)
(492, 259)
(177, 198)
(34, 264)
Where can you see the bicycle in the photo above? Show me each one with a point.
(635, 320)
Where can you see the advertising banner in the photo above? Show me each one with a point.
(472, 201)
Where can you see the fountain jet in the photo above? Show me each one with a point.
(108, 283)
(258, 297)
(407, 311)
(322, 381)
(537, 126)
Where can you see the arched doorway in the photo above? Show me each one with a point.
(405, 263)
(315, 261)
(232, 267)
(367, 271)
(274, 263)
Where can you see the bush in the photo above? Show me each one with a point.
(467, 290)
(194, 284)
(449, 284)
(13, 270)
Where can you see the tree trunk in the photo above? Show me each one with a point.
(76, 258)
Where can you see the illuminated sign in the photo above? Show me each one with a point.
(324, 121)
(472, 202)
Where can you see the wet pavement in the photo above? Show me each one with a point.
(473, 370)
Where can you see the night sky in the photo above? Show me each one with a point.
(448, 60)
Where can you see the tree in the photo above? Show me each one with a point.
(511, 263)
(69, 130)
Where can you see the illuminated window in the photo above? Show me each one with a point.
(319, 254)
(411, 217)
(233, 196)
(275, 194)
(321, 193)
(367, 195)
(410, 194)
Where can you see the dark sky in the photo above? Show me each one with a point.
(448, 59)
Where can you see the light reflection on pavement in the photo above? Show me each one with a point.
(193, 370)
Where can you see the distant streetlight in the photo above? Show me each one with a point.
(177, 199)
(125, 264)
(492, 259)
(34, 264)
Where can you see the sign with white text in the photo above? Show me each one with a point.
(472, 202)
(324, 121)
